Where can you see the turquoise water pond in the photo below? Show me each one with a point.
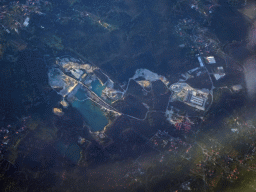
(97, 87)
(80, 94)
(91, 112)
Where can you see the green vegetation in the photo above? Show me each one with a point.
(53, 41)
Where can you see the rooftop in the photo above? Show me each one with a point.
(219, 73)
(210, 60)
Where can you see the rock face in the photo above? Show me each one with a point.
(58, 111)
(237, 88)
(64, 103)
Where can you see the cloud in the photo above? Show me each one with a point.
(250, 76)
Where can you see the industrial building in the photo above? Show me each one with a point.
(76, 73)
(193, 98)
(210, 60)
(197, 100)
(219, 73)
(190, 96)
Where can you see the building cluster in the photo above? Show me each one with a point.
(193, 97)
(75, 67)
(181, 123)
(86, 74)
(216, 68)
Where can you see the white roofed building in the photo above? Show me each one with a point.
(210, 60)
(219, 73)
